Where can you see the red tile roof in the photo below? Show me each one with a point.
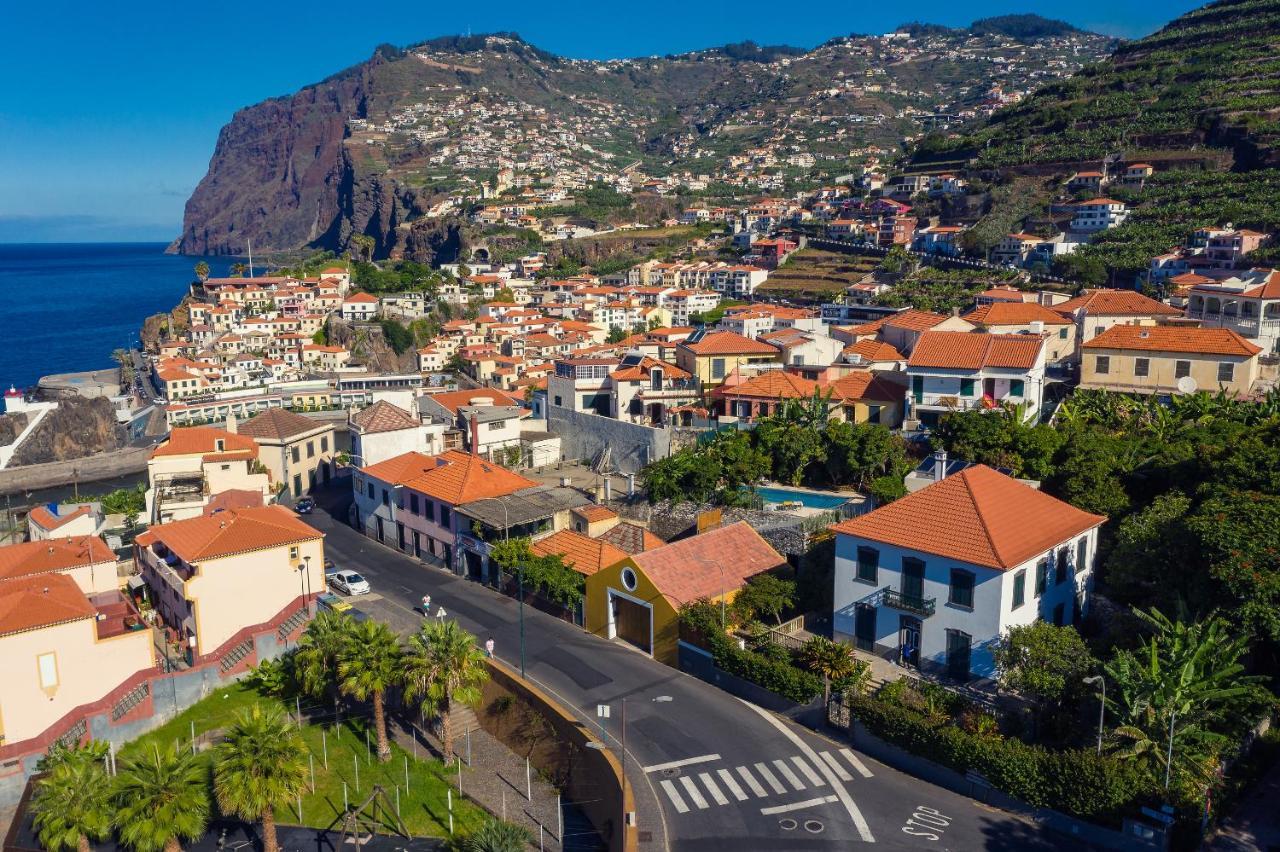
(276, 424)
(585, 555)
(708, 565)
(631, 538)
(866, 385)
(231, 532)
(1174, 338)
(594, 512)
(962, 350)
(453, 399)
(35, 602)
(773, 384)
(976, 516)
(199, 440)
(55, 554)
(48, 521)
(1015, 313)
(729, 343)
(382, 416)
(913, 320)
(1116, 303)
(457, 477)
(874, 350)
(233, 498)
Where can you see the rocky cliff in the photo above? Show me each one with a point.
(77, 428)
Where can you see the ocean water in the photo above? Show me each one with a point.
(68, 305)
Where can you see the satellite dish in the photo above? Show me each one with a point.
(1186, 384)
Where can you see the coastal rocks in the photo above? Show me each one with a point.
(11, 426)
(159, 327)
(76, 429)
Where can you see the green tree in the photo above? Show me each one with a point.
(764, 594)
(497, 836)
(202, 271)
(370, 664)
(442, 665)
(1042, 661)
(162, 798)
(321, 337)
(320, 652)
(617, 334)
(260, 766)
(1238, 541)
(832, 660)
(72, 802)
(397, 336)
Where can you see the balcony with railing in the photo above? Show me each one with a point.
(896, 599)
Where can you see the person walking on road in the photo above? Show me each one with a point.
(426, 605)
(488, 647)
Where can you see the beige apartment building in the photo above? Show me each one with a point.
(296, 450)
(213, 576)
(58, 652)
(1169, 359)
(197, 463)
(85, 559)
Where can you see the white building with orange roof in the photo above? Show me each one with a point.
(1247, 303)
(195, 463)
(1095, 311)
(212, 576)
(86, 559)
(961, 371)
(1098, 214)
(360, 307)
(933, 580)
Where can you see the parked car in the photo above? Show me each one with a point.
(348, 582)
(304, 506)
(332, 602)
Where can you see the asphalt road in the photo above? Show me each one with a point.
(710, 772)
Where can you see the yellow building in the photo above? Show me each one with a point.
(713, 356)
(1169, 359)
(637, 599)
(296, 450)
(213, 576)
(59, 651)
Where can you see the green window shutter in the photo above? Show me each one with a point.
(966, 387)
(917, 388)
(1016, 387)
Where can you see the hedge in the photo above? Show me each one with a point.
(778, 676)
(1077, 782)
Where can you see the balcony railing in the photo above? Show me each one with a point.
(909, 603)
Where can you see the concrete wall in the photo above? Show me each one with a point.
(33, 477)
(583, 436)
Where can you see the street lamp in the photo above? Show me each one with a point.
(1168, 760)
(1102, 704)
(306, 583)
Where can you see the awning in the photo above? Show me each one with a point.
(136, 582)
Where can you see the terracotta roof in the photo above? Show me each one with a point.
(400, 469)
(363, 298)
(594, 512)
(199, 440)
(729, 343)
(642, 371)
(866, 385)
(1174, 338)
(453, 399)
(276, 424)
(707, 565)
(1269, 289)
(457, 477)
(231, 532)
(233, 498)
(1116, 303)
(976, 516)
(36, 602)
(55, 554)
(773, 384)
(914, 320)
(1015, 313)
(585, 555)
(631, 538)
(382, 416)
(47, 520)
(874, 350)
(963, 350)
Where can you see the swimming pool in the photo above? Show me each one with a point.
(773, 494)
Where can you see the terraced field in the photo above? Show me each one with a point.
(816, 275)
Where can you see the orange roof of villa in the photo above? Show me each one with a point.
(708, 565)
(56, 554)
(34, 602)
(1174, 338)
(978, 516)
(585, 555)
(229, 533)
(199, 440)
(729, 343)
(965, 350)
(457, 477)
(1103, 302)
(1014, 313)
(773, 384)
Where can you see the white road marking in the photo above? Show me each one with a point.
(799, 806)
(674, 795)
(807, 771)
(733, 785)
(694, 793)
(771, 778)
(710, 784)
(864, 831)
(840, 771)
(791, 777)
(676, 764)
(752, 782)
(855, 763)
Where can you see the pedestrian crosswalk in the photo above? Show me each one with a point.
(700, 790)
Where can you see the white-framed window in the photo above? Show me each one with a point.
(47, 666)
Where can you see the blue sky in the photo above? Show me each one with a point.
(112, 109)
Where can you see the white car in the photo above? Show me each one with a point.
(348, 582)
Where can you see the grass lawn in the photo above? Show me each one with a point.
(424, 807)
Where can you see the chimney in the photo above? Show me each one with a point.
(939, 465)
(231, 423)
(1037, 327)
(608, 489)
(475, 433)
(955, 312)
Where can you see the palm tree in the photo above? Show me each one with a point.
(370, 664)
(443, 666)
(238, 268)
(72, 802)
(202, 271)
(497, 836)
(319, 651)
(162, 798)
(832, 660)
(261, 766)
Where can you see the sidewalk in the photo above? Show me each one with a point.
(1255, 824)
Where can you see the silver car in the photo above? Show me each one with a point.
(348, 582)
